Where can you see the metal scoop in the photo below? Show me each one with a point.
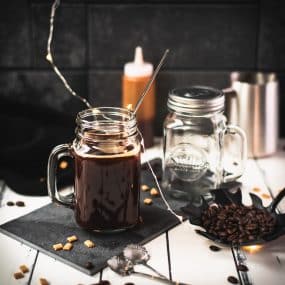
(138, 254)
(125, 267)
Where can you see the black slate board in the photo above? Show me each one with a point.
(52, 224)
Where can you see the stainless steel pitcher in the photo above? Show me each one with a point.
(252, 104)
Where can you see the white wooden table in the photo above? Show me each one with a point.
(179, 253)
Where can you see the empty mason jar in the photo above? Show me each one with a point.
(195, 132)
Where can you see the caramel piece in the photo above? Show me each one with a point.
(89, 243)
(24, 268)
(19, 275)
(57, 246)
(147, 201)
(154, 192)
(72, 238)
(144, 188)
(68, 246)
(256, 189)
(265, 196)
(43, 281)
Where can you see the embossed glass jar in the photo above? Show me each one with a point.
(195, 136)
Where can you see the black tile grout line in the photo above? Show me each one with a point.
(31, 33)
(153, 2)
(33, 268)
(117, 69)
(168, 255)
(257, 38)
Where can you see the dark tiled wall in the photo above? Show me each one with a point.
(93, 40)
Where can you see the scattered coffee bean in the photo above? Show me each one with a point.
(20, 204)
(10, 203)
(89, 265)
(233, 280)
(129, 283)
(104, 282)
(242, 267)
(18, 275)
(214, 248)
(237, 224)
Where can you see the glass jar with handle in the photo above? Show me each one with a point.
(106, 152)
(195, 156)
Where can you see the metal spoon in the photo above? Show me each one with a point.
(125, 267)
(138, 254)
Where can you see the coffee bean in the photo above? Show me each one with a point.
(129, 283)
(214, 248)
(10, 203)
(242, 267)
(20, 204)
(237, 223)
(233, 280)
(104, 282)
(89, 265)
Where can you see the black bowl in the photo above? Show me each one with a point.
(225, 196)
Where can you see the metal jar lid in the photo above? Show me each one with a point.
(196, 100)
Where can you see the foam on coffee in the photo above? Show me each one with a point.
(109, 152)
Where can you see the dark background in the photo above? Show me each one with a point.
(93, 40)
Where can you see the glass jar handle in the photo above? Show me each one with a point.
(235, 130)
(57, 153)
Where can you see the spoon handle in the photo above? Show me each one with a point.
(162, 280)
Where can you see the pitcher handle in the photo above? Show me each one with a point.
(57, 153)
(235, 130)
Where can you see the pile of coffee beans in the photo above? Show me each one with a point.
(237, 224)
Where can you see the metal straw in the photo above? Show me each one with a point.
(147, 87)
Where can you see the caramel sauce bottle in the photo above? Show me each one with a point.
(134, 80)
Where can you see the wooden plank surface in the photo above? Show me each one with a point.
(192, 261)
(267, 263)
(159, 260)
(12, 255)
(58, 273)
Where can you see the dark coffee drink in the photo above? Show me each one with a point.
(107, 190)
(106, 153)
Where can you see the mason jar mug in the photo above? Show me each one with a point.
(200, 151)
(106, 152)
